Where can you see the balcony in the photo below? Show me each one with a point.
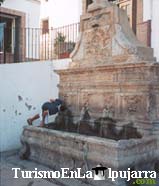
(36, 44)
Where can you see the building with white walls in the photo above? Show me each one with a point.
(18, 17)
(23, 92)
(143, 16)
(59, 17)
(144, 20)
(151, 12)
(30, 9)
(60, 12)
(24, 88)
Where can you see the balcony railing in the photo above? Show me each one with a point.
(35, 44)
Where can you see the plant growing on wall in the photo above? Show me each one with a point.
(62, 48)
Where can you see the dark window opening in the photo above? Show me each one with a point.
(45, 26)
(2, 26)
(8, 34)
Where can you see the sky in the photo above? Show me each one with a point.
(63, 12)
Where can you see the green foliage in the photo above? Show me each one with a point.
(59, 43)
(61, 46)
(60, 38)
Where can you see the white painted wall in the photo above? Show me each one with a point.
(30, 7)
(36, 83)
(151, 12)
(155, 28)
(147, 10)
(61, 12)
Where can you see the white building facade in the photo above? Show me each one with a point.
(61, 12)
(31, 9)
(151, 12)
(24, 88)
(18, 18)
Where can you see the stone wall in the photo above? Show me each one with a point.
(112, 69)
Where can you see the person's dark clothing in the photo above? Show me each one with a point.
(58, 102)
(52, 107)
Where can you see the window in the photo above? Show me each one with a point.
(2, 25)
(7, 34)
(45, 26)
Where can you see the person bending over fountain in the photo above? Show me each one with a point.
(51, 107)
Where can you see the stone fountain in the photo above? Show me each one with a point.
(113, 80)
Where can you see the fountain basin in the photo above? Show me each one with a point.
(59, 149)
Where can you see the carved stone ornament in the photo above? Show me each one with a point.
(85, 115)
(111, 69)
(108, 112)
(98, 4)
(133, 104)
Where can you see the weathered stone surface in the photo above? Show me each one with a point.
(130, 90)
(112, 75)
(70, 150)
(111, 68)
(106, 37)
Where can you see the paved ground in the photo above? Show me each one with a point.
(8, 161)
(11, 160)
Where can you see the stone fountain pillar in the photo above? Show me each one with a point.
(111, 69)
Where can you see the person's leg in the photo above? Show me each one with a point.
(44, 114)
(30, 120)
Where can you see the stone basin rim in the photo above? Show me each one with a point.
(123, 143)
